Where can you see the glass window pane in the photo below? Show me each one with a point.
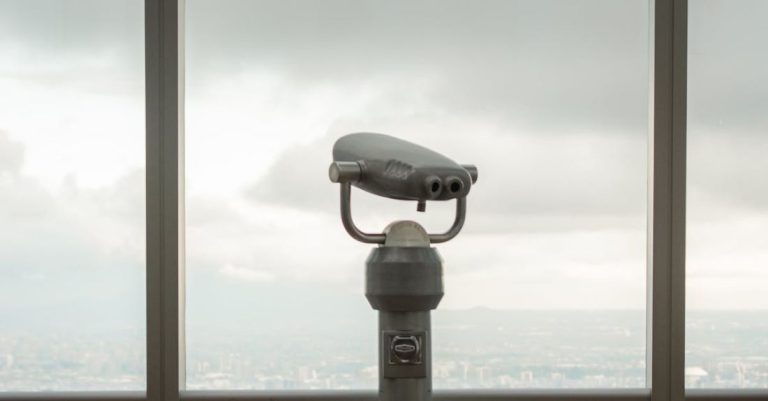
(727, 255)
(72, 195)
(546, 285)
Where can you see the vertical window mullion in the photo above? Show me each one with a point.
(164, 116)
(666, 280)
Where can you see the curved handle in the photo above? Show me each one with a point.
(458, 223)
(369, 238)
(346, 218)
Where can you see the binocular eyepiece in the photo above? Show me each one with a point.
(397, 169)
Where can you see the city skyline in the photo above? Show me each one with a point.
(506, 350)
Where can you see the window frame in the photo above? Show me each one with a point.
(165, 309)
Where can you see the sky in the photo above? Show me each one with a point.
(548, 98)
(455, 77)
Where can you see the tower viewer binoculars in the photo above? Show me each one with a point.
(404, 274)
(393, 168)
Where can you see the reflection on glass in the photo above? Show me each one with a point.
(727, 255)
(546, 285)
(71, 195)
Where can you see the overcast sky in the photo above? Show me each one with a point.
(548, 98)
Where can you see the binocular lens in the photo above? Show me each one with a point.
(454, 184)
(434, 186)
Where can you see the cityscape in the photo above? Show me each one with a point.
(479, 348)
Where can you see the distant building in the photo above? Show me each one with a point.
(694, 376)
(526, 377)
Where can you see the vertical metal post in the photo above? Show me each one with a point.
(182, 203)
(666, 237)
(409, 387)
(164, 118)
(404, 282)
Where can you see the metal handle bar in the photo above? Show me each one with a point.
(369, 238)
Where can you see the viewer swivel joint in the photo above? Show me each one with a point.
(403, 275)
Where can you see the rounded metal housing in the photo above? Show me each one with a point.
(405, 279)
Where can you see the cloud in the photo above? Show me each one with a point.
(73, 28)
(726, 174)
(68, 244)
(246, 274)
(267, 242)
(488, 83)
(91, 45)
(548, 98)
(529, 182)
(544, 64)
(537, 64)
(11, 155)
(596, 177)
(551, 109)
(299, 178)
(727, 77)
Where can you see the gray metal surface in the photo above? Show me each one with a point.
(398, 169)
(370, 395)
(405, 382)
(164, 143)
(458, 224)
(439, 395)
(345, 172)
(404, 278)
(404, 282)
(345, 195)
(666, 256)
(544, 395)
(726, 394)
(352, 171)
(74, 396)
(405, 233)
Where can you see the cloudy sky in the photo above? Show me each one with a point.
(548, 98)
(559, 137)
